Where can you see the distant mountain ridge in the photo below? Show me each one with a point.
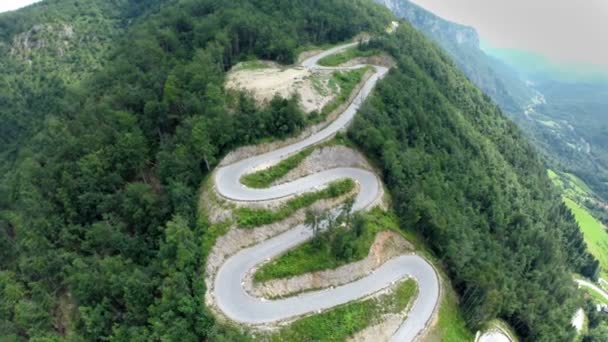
(563, 111)
(462, 42)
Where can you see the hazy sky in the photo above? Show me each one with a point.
(9, 5)
(563, 30)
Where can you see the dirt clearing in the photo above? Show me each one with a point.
(312, 87)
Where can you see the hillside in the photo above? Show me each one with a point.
(462, 43)
(49, 47)
(560, 109)
(462, 214)
(102, 231)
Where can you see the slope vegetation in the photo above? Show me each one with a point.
(100, 234)
(463, 176)
(99, 228)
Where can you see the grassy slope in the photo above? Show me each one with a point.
(264, 178)
(595, 235)
(339, 323)
(345, 56)
(343, 83)
(250, 218)
(597, 297)
(306, 258)
(576, 191)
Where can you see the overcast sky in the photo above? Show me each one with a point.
(9, 5)
(563, 30)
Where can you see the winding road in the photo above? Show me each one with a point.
(599, 290)
(237, 304)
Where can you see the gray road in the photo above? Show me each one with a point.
(239, 306)
(582, 282)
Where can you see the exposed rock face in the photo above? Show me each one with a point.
(462, 43)
(54, 38)
(428, 22)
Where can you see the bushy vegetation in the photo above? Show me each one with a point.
(346, 55)
(99, 230)
(597, 323)
(100, 238)
(249, 218)
(339, 323)
(264, 178)
(462, 175)
(595, 234)
(343, 83)
(347, 239)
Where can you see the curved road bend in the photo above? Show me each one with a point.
(599, 290)
(238, 305)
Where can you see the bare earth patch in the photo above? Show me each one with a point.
(311, 86)
(252, 150)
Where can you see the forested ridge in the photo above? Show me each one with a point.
(99, 232)
(462, 175)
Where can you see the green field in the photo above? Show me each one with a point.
(594, 233)
(570, 185)
(575, 191)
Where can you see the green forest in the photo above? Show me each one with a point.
(111, 123)
(462, 176)
(99, 231)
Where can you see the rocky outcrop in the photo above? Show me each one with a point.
(55, 38)
(428, 22)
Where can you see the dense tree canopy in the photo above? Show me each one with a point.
(462, 175)
(98, 225)
(99, 232)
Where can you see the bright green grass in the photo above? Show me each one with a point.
(451, 326)
(596, 296)
(583, 187)
(342, 322)
(308, 258)
(345, 56)
(263, 178)
(593, 231)
(570, 185)
(249, 218)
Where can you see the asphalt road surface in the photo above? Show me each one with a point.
(240, 306)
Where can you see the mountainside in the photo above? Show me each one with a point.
(562, 111)
(462, 43)
(121, 114)
(444, 170)
(48, 47)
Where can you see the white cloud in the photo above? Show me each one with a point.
(564, 30)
